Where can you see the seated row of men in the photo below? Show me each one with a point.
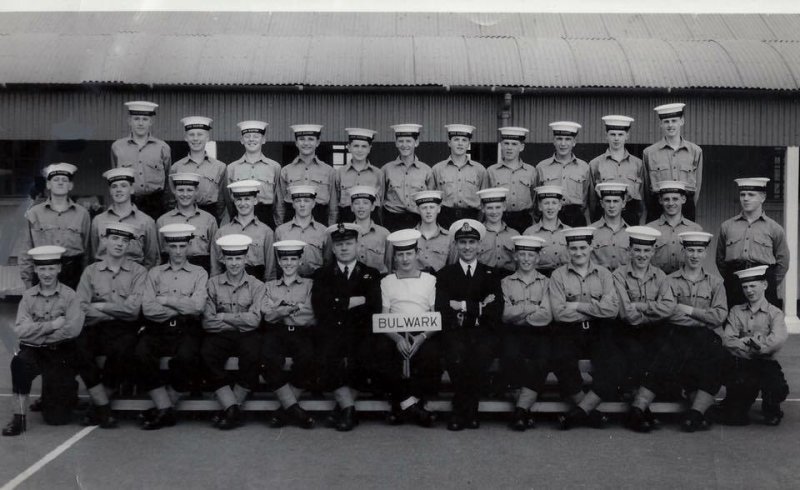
(646, 333)
(458, 176)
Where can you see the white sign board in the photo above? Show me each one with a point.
(397, 322)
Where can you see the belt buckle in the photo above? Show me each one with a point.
(585, 325)
(290, 328)
(173, 323)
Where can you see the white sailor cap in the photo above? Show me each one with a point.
(289, 248)
(244, 187)
(757, 273)
(528, 242)
(47, 254)
(695, 238)
(306, 130)
(467, 228)
(668, 186)
(252, 127)
(121, 229)
(611, 189)
(363, 192)
(565, 128)
(752, 184)
(493, 194)
(617, 123)
(177, 232)
(513, 133)
(298, 191)
(579, 234)
(360, 134)
(667, 111)
(553, 191)
(642, 235)
(234, 244)
(407, 130)
(119, 173)
(185, 178)
(196, 122)
(459, 130)
(404, 239)
(54, 169)
(141, 108)
(428, 196)
(343, 231)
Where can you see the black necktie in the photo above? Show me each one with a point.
(346, 272)
(469, 270)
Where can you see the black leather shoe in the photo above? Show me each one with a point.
(146, 415)
(456, 423)
(651, 418)
(277, 419)
(473, 422)
(573, 418)
(217, 417)
(163, 418)
(420, 415)
(89, 417)
(597, 419)
(231, 418)
(347, 419)
(694, 421)
(519, 420)
(36, 405)
(332, 419)
(300, 417)
(772, 413)
(395, 415)
(637, 421)
(105, 419)
(16, 427)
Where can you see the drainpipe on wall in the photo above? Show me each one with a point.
(503, 118)
(791, 206)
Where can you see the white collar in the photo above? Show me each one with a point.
(349, 265)
(464, 265)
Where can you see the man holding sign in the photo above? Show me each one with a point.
(406, 362)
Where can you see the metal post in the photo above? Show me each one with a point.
(791, 206)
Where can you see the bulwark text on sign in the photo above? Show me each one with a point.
(397, 322)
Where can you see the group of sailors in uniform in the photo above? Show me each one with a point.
(199, 261)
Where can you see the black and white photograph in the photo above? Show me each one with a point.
(358, 244)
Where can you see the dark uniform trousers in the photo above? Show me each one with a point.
(385, 365)
(264, 213)
(733, 287)
(152, 204)
(518, 220)
(180, 339)
(320, 213)
(468, 355)
(219, 346)
(587, 340)
(744, 378)
(114, 340)
(55, 364)
(572, 215)
(282, 341)
(637, 346)
(525, 356)
(449, 215)
(399, 221)
(689, 358)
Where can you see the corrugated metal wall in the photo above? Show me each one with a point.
(756, 120)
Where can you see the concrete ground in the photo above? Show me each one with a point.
(194, 455)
